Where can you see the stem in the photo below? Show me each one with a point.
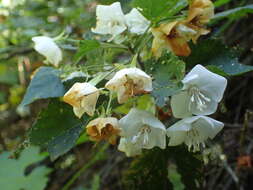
(95, 157)
(108, 105)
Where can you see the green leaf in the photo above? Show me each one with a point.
(219, 3)
(56, 129)
(45, 84)
(213, 54)
(148, 171)
(188, 165)
(168, 71)
(154, 10)
(13, 176)
(235, 13)
(85, 46)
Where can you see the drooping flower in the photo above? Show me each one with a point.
(175, 35)
(83, 97)
(128, 147)
(110, 20)
(103, 129)
(200, 13)
(128, 83)
(201, 93)
(136, 22)
(143, 129)
(193, 131)
(48, 48)
(169, 36)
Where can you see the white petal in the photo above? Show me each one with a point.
(110, 19)
(137, 23)
(210, 83)
(47, 47)
(180, 105)
(211, 107)
(78, 111)
(157, 138)
(215, 126)
(177, 133)
(129, 148)
(135, 120)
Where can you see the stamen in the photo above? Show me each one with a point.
(198, 98)
(142, 134)
(194, 141)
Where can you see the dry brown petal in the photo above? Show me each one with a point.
(103, 129)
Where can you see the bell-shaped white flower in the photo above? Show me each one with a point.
(136, 22)
(48, 48)
(110, 20)
(202, 92)
(83, 97)
(128, 147)
(193, 131)
(143, 129)
(129, 82)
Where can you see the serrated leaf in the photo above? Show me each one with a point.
(235, 13)
(85, 46)
(168, 71)
(56, 129)
(155, 9)
(214, 53)
(45, 84)
(13, 177)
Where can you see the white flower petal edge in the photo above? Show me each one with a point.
(48, 48)
(110, 20)
(202, 92)
(83, 97)
(136, 22)
(143, 129)
(129, 148)
(193, 131)
(129, 82)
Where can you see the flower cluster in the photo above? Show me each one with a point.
(111, 20)
(202, 89)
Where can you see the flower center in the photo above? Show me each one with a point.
(142, 136)
(198, 99)
(194, 140)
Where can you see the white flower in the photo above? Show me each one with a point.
(83, 97)
(129, 148)
(202, 92)
(193, 131)
(143, 129)
(47, 47)
(136, 22)
(110, 20)
(129, 82)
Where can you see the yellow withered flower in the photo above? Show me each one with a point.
(174, 36)
(200, 13)
(168, 36)
(103, 129)
(83, 97)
